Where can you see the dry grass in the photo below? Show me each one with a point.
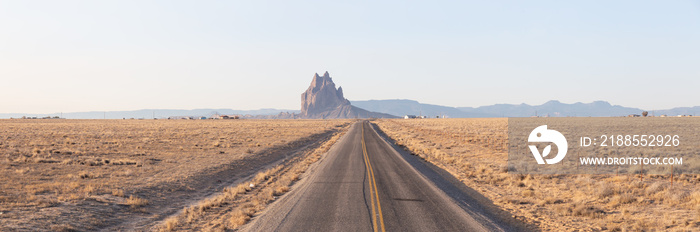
(136, 202)
(118, 193)
(474, 151)
(55, 171)
(241, 216)
(236, 205)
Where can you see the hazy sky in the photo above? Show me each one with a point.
(124, 55)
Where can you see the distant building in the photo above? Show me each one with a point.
(409, 116)
(229, 117)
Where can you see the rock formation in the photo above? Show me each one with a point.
(323, 100)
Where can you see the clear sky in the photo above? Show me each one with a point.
(67, 56)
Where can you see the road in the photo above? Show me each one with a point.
(365, 184)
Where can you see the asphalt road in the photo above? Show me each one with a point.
(364, 184)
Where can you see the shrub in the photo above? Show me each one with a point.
(135, 202)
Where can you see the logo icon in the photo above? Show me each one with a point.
(541, 134)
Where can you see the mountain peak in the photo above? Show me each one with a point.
(601, 103)
(323, 100)
(319, 81)
(552, 102)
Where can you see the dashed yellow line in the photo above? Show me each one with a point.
(372, 186)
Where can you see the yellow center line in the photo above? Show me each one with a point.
(372, 184)
(379, 205)
(364, 156)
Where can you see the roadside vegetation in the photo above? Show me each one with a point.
(235, 205)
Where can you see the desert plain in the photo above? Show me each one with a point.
(181, 175)
(65, 175)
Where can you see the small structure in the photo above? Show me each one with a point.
(409, 116)
(228, 117)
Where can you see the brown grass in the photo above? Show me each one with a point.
(136, 202)
(118, 193)
(241, 216)
(236, 205)
(474, 151)
(48, 167)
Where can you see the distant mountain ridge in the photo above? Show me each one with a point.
(552, 108)
(556, 109)
(695, 111)
(401, 107)
(398, 107)
(150, 113)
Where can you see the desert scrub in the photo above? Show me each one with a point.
(136, 202)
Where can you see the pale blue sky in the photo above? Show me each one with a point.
(123, 55)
